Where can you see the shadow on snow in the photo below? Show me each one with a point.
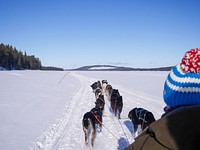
(129, 125)
(122, 143)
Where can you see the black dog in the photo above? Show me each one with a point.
(89, 120)
(96, 85)
(104, 81)
(116, 102)
(140, 116)
(100, 102)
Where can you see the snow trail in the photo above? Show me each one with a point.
(116, 134)
(68, 134)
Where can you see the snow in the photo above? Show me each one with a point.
(2, 68)
(99, 68)
(43, 110)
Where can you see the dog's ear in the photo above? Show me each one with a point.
(129, 115)
(134, 109)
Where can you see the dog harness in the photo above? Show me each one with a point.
(96, 117)
(141, 114)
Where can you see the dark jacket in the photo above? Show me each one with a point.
(177, 130)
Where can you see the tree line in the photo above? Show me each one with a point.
(12, 59)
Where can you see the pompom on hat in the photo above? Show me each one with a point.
(191, 61)
(182, 86)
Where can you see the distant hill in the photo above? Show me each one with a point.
(116, 68)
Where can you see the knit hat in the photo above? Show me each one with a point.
(182, 86)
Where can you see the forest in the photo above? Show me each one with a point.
(13, 59)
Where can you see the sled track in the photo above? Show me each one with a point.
(116, 127)
(69, 114)
(80, 103)
(57, 135)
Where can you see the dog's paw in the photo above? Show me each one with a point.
(92, 143)
(99, 130)
(86, 142)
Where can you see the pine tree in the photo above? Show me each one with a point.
(11, 58)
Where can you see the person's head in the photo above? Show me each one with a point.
(182, 86)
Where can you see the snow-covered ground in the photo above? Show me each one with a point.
(44, 110)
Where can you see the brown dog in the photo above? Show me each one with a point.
(89, 120)
(109, 91)
(98, 92)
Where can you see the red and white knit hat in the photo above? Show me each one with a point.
(182, 86)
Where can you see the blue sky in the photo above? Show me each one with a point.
(75, 33)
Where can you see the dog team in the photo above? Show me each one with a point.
(138, 116)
